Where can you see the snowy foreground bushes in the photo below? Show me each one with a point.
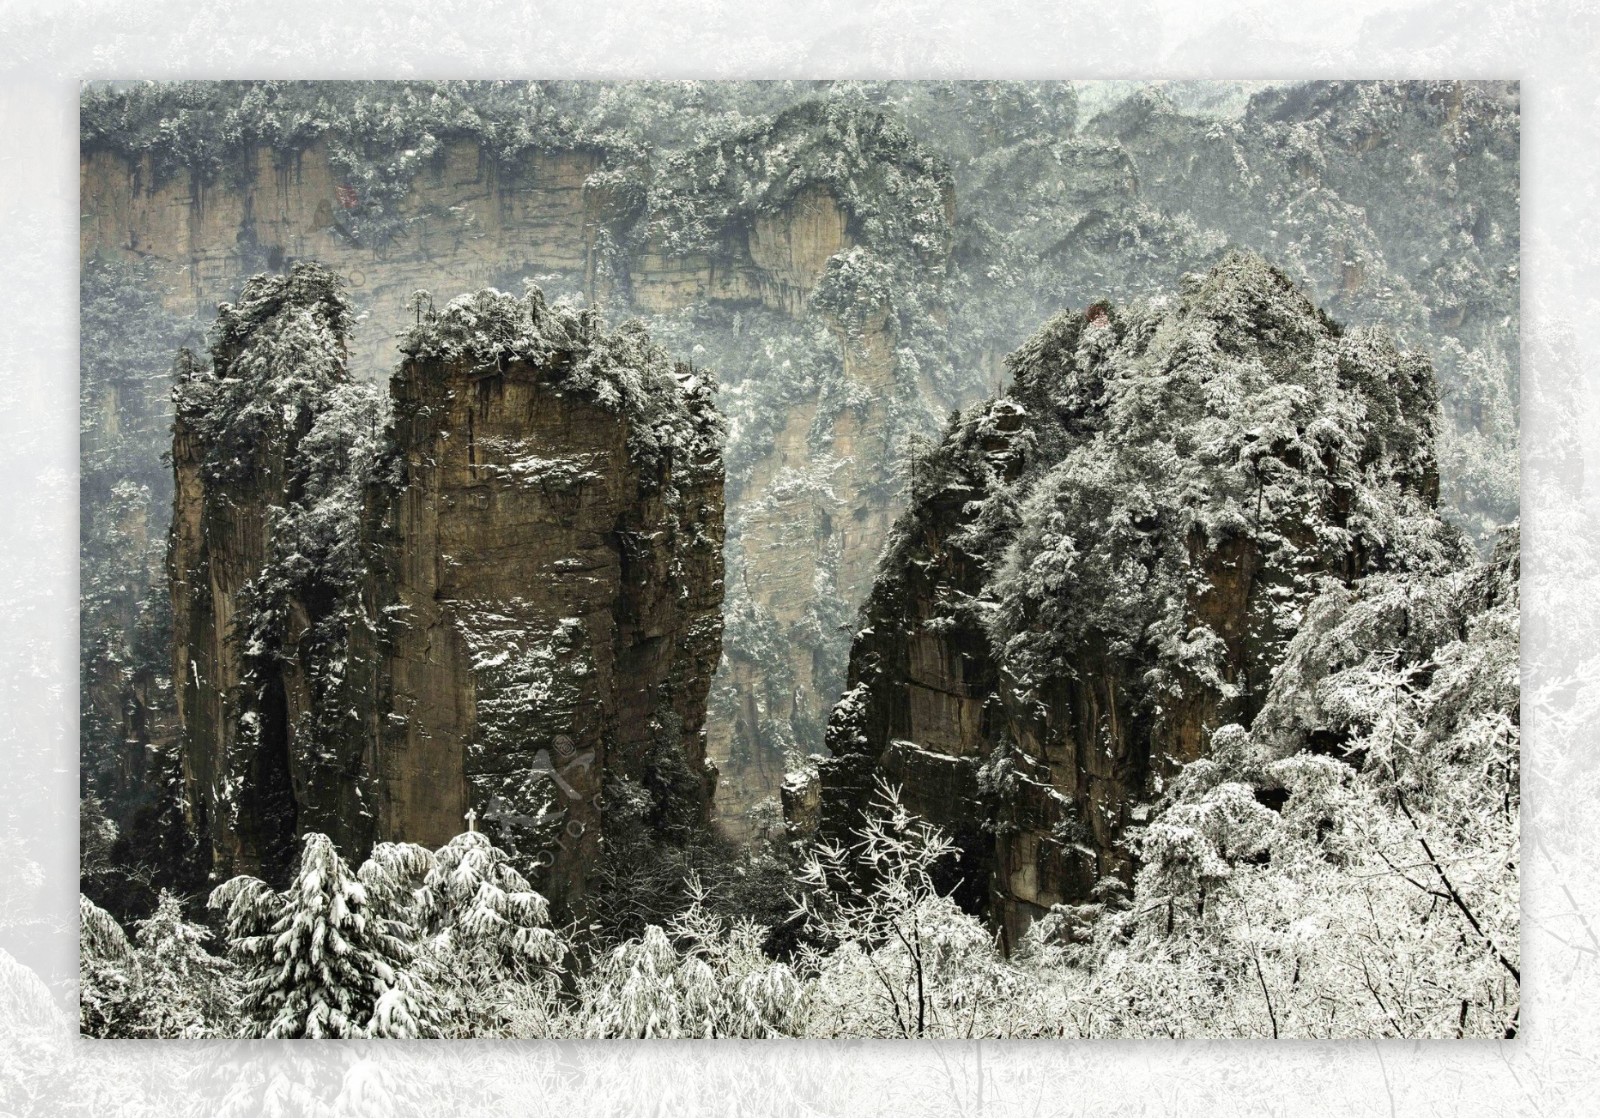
(454, 943)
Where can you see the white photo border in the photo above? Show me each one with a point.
(47, 48)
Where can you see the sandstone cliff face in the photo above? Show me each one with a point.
(554, 540)
(576, 219)
(502, 611)
(465, 223)
(1105, 565)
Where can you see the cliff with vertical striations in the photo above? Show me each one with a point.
(552, 545)
(725, 248)
(498, 605)
(1105, 564)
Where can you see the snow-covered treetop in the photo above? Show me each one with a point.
(277, 419)
(1453, 635)
(670, 407)
(308, 290)
(201, 125)
(893, 190)
(275, 353)
(1135, 445)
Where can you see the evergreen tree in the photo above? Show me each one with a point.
(489, 935)
(108, 973)
(185, 990)
(316, 961)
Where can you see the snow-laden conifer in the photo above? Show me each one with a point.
(108, 973)
(186, 991)
(489, 949)
(316, 961)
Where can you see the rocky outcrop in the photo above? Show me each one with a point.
(1397, 202)
(696, 246)
(1104, 565)
(272, 442)
(553, 545)
(498, 610)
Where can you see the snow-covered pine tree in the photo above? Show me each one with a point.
(474, 896)
(186, 991)
(316, 962)
(489, 941)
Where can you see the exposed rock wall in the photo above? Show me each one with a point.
(1105, 565)
(468, 221)
(776, 260)
(503, 611)
(556, 567)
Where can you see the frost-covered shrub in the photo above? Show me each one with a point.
(890, 956)
(108, 976)
(700, 976)
(186, 991)
(163, 983)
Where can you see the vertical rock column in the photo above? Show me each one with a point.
(553, 560)
(272, 444)
(502, 612)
